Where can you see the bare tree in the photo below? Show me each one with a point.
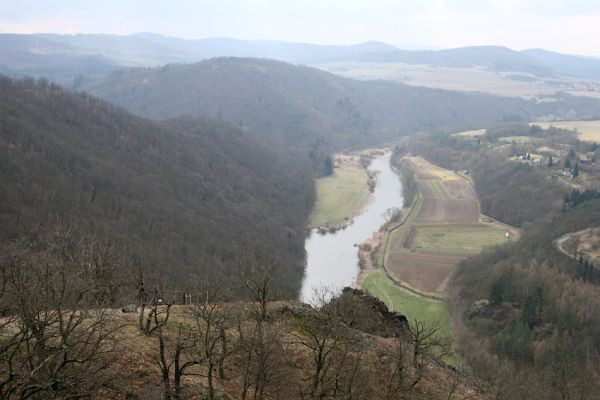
(260, 348)
(426, 341)
(57, 289)
(258, 283)
(141, 295)
(212, 320)
(177, 354)
(157, 320)
(326, 338)
(396, 381)
(158, 313)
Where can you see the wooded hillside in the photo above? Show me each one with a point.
(187, 196)
(310, 109)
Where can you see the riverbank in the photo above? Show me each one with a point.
(332, 259)
(342, 195)
(410, 262)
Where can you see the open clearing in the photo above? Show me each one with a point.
(478, 79)
(516, 139)
(473, 133)
(413, 306)
(455, 240)
(443, 229)
(589, 131)
(342, 195)
(586, 243)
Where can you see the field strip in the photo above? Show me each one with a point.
(382, 291)
(438, 230)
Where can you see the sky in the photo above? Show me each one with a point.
(568, 26)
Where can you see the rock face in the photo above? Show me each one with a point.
(368, 314)
(129, 308)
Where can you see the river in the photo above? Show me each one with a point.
(332, 259)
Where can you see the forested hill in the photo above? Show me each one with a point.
(305, 106)
(188, 196)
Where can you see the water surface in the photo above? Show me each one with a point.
(332, 259)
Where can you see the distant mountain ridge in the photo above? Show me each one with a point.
(312, 109)
(61, 57)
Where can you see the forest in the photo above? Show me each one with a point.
(185, 196)
(312, 110)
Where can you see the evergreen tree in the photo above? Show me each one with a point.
(497, 291)
(328, 166)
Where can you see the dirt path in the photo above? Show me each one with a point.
(558, 243)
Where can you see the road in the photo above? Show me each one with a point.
(558, 243)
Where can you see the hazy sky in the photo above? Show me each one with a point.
(571, 26)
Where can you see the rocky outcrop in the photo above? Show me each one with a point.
(368, 314)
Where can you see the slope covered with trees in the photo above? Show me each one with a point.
(187, 196)
(532, 313)
(312, 109)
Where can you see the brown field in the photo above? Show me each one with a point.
(463, 211)
(447, 228)
(426, 272)
(447, 200)
(461, 189)
(424, 175)
(431, 211)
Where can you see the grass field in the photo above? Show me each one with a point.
(413, 306)
(473, 133)
(456, 240)
(515, 139)
(340, 196)
(589, 131)
(425, 170)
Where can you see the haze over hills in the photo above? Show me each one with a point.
(300, 199)
(42, 54)
(306, 107)
(563, 64)
(181, 194)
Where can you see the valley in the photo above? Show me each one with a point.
(263, 218)
(444, 227)
(332, 259)
(409, 263)
(476, 78)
